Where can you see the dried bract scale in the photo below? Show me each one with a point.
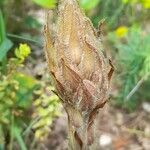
(80, 72)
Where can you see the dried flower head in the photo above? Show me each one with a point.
(79, 70)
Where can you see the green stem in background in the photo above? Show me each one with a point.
(33, 143)
(1, 139)
(18, 137)
(23, 38)
(106, 6)
(116, 14)
(135, 131)
(11, 132)
(29, 127)
(137, 86)
(4, 65)
(15, 132)
(2, 28)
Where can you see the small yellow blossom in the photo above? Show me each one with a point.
(121, 31)
(130, 1)
(146, 3)
(23, 51)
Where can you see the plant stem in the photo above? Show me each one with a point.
(23, 38)
(137, 86)
(82, 135)
(11, 133)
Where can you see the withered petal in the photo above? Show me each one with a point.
(58, 85)
(71, 76)
(111, 70)
(50, 51)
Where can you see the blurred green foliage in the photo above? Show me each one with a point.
(46, 108)
(5, 43)
(46, 3)
(122, 12)
(145, 3)
(88, 4)
(19, 21)
(17, 92)
(133, 62)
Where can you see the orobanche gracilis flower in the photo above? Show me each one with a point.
(79, 70)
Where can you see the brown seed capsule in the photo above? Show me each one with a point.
(79, 70)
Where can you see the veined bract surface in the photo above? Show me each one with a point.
(80, 72)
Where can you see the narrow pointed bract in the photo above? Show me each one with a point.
(80, 72)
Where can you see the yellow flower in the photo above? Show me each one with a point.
(23, 51)
(130, 1)
(121, 31)
(146, 4)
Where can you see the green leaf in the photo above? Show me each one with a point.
(1, 138)
(5, 44)
(17, 134)
(46, 3)
(2, 28)
(25, 80)
(32, 22)
(4, 48)
(27, 85)
(89, 4)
